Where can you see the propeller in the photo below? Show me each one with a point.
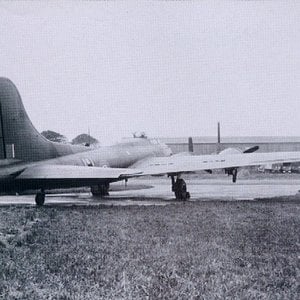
(251, 149)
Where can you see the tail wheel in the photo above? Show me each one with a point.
(40, 198)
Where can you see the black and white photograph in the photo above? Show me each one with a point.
(150, 149)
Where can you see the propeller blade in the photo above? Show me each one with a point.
(251, 150)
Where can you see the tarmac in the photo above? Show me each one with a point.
(159, 192)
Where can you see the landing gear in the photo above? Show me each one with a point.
(234, 175)
(100, 190)
(233, 172)
(179, 188)
(40, 198)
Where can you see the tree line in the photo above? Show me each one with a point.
(81, 139)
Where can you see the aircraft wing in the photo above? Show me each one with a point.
(191, 163)
(83, 175)
(78, 173)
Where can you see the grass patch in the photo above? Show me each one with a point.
(205, 250)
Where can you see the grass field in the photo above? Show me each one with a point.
(201, 250)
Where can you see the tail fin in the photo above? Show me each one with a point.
(219, 146)
(18, 137)
(191, 145)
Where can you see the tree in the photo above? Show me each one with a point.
(54, 136)
(84, 139)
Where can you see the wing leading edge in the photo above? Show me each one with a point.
(192, 163)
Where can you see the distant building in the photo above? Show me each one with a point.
(209, 145)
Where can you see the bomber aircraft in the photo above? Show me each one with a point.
(30, 162)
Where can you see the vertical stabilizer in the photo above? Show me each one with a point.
(18, 137)
(219, 133)
(191, 145)
(219, 147)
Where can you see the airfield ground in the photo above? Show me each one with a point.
(205, 249)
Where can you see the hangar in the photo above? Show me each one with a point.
(209, 144)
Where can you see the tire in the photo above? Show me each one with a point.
(178, 195)
(100, 190)
(180, 190)
(40, 199)
(234, 175)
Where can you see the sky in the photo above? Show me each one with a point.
(169, 68)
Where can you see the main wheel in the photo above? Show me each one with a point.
(234, 175)
(180, 190)
(100, 190)
(40, 198)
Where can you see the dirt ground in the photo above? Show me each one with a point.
(193, 250)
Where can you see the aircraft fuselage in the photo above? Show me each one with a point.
(122, 155)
